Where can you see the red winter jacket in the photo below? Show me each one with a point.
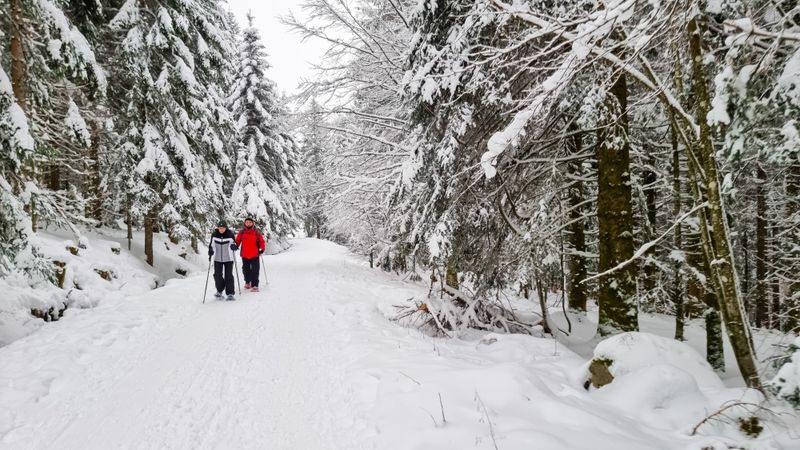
(250, 241)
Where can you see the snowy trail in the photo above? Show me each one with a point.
(312, 363)
(165, 371)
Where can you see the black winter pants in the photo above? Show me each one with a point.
(250, 269)
(224, 281)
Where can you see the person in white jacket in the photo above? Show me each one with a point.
(222, 248)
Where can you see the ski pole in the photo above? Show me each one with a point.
(264, 271)
(205, 291)
(236, 269)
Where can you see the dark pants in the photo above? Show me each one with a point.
(250, 269)
(226, 281)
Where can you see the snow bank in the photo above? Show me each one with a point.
(631, 352)
(101, 269)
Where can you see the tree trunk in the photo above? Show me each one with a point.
(762, 283)
(714, 343)
(541, 292)
(617, 290)
(791, 308)
(129, 221)
(576, 237)
(54, 177)
(677, 277)
(649, 180)
(149, 224)
(451, 276)
(95, 180)
(18, 64)
(714, 228)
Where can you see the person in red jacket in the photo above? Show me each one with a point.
(252, 245)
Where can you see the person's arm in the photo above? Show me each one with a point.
(210, 247)
(239, 238)
(235, 245)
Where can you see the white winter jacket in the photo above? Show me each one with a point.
(221, 245)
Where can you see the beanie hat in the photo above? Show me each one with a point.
(222, 224)
(250, 219)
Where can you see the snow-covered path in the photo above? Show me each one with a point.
(312, 363)
(164, 371)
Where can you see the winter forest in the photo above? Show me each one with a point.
(586, 209)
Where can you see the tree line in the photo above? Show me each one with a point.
(643, 155)
(153, 115)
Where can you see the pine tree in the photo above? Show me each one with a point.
(16, 145)
(169, 75)
(265, 154)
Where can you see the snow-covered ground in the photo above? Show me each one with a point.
(83, 287)
(312, 362)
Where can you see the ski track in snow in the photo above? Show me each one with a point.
(165, 371)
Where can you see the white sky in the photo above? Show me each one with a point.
(290, 58)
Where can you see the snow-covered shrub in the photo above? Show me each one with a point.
(786, 384)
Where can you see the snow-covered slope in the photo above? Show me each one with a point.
(94, 274)
(312, 362)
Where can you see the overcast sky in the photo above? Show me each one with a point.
(288, 55)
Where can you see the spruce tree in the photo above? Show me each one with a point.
(169, 74)
(265, 155)
(16, 145)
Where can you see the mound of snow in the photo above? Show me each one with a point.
(661, 395)
(629, 352)
(786, 383)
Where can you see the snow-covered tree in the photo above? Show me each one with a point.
(355, 100)
(16, 145)
(266, 156)
(169, 76)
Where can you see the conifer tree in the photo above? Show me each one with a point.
(265, 154)
(170, 72)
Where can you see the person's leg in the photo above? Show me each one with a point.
(248, 264)
(246, 271)
(219, 281)
(230, 288)
(255, 270)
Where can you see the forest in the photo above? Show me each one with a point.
(631, 156)
(625, 157)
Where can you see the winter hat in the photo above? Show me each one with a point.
(250, 219)
(222, 224)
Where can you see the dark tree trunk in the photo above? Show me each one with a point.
(149, 225)
(451, 276)
(95, 190)
(576, 237)
(18, 64)
(762, 283)
(714, 343)
(54, 177)
(791, 308)
(617, 290)
(649, 179)
(677, 288)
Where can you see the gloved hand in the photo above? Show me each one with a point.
(260, 252)
(234, 247)
(210, 252)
